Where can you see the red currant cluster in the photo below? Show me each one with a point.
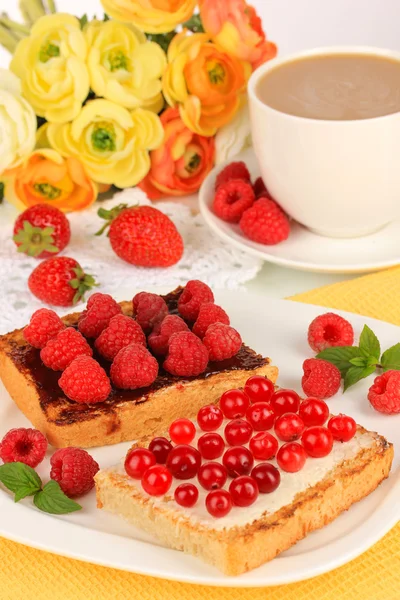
(250, 414)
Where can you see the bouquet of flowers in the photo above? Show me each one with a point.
(136, 99)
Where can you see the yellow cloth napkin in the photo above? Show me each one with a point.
(26, 573)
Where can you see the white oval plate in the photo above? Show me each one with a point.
(305, 250)
(277, 329)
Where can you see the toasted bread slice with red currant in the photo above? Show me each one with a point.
(126, 414)
(248, 537)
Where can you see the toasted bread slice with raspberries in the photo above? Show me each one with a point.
(248, 537)
(126, 414)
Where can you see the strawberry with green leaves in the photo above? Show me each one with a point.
(41, 231)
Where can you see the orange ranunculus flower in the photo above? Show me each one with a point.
(180, 165)
(204, 82)
(47, 177)
(236, 27)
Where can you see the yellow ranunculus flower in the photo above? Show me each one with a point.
(151, 16)
(112, 142)
(51, 65)
(123, 66)
(17, 123)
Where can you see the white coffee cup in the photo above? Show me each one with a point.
(338, 178)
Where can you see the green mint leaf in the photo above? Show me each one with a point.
(355, 374)
(51, 499)
(391, 358)
(369, 344)
(20, 479)
(340, 357)
(359, 361)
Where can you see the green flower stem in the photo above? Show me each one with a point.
(7, 39)
(32, 9)
(52, 6)
(13, 25)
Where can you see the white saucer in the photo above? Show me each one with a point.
(305, 250)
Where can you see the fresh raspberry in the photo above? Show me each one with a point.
(149, 309)
(59, 352)
(209, 314)
(85, 381)
(159, 338)
(232, 199)
(134, 367)
(384, 393)
(187, 355)
(236, 170)
(74, 470)
(121, 332)
(41, 231)
(60, 281)
(23, 445)
(44, 325)
(99, 311)
(330, 330)
(265, 223)
(193, 296)
(321, 378)
(222, 341)
(260, 189)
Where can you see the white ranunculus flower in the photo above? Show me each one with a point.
(17, 123)
(235, 137)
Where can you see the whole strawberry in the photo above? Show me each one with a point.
(60, 281)
(41, 231)
(142, 235)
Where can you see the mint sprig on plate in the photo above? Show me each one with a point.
(23, 481)
(357, 362)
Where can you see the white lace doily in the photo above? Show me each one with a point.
(206, 257)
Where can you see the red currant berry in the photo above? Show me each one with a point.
(186, 495)
(244, 491)
(291, 457)
(259, 389)
(157, 480)
(182, 431)
(211, 446)
(160, 447)
(184, 461)
(137, 461)
(289, 427)
(317, 441)
(260, 416)
(212, 476)
(234, 404)
(219, 503)
(238, 460)
(238, 432)
(284, 401)
(263, 445)
(313, 412)
(210, 418)
(342, 427)
(267, 477)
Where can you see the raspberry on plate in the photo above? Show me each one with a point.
(193, 296)
(149, 309)
(329, 330)
(265, 223)
(28, 446)
(159, 338)
(74, 470)
(45, 324)
(209, 314)
(187, 355)
(232, 199)
(41, 231)
(59, 352)
(120, 332)
(321, 379)
(236, 170)
(384, 393)
(222, 341)
(85, 381)
(99, 311)
(133, 367)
